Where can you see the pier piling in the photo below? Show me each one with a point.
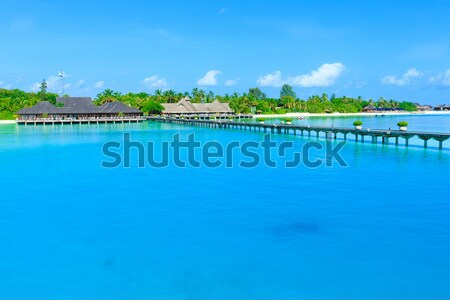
(330, 132)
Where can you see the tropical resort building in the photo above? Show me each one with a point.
(372, 109)
(369, 108)
(423, 107)
(186, 109)
(78, 110)
(442, 107)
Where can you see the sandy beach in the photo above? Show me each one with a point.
(296, 115)
(4, 122)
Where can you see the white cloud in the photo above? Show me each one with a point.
(155, 82)
(324, 76)
(441, 79)
(446, 79)
(35, 87)
(405, 79)
(209, 79)
(54, 84)
(231, 82)
(99, 84)
(271, 80)
(80, 83)
(3, 85)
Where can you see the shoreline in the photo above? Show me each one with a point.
(306, 115)
(4, 122)
(359, 114)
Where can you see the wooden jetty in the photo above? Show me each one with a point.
(330, 132)
(80, 121)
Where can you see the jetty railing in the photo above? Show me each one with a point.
(330, 132)
(44, 121)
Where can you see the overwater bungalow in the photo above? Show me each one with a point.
(78, 109)
(372, 109)
(442, 107)
(423, 107)
(185, 108)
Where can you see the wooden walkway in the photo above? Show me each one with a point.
(80, 121)
(330, 132)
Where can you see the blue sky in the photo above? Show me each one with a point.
(394, 49)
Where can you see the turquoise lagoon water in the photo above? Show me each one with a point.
(70, 229)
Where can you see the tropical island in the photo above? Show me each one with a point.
(252, 102)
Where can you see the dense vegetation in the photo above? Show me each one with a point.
(12, 101)
(254, 101)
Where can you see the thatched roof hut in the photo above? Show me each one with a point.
(185, 106)
(369, 108)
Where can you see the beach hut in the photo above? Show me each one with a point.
(369, 108)
(186, 107)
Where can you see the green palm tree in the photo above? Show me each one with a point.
(273, 105)
(170, 96)
(107, 95)
(210, 97)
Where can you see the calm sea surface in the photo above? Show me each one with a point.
(70, 229)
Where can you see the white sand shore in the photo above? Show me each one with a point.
(2, 122)
(296, 115)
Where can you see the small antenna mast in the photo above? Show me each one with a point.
(61, 75)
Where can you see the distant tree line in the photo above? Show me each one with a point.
(254, 101)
